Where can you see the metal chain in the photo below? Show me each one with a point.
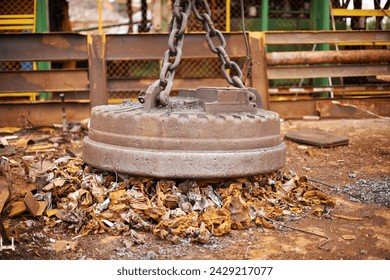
(181, 11)
(211, 32)
(172, 56)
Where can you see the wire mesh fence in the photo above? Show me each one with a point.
(14, 9)
(17, 17)
(19, 7)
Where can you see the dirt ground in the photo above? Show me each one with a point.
(357, 176)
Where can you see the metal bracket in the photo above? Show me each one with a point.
(225, 99)
(7, 247)
(150, 97)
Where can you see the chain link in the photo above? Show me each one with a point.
(172, 57)
(181, 11)
(212, 32)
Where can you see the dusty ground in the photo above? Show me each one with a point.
(357, 176)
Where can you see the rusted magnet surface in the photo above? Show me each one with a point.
(206, 133)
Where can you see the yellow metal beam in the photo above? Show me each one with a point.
(31, 95)
(17, 27)
(17, 16)
(227, 15)
(100, 20)
(360, 13)
(15, 21)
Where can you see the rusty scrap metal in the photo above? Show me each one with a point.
(193, 209)
(88, 201)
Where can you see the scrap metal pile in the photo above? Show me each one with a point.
(88, 201)
(201, 133)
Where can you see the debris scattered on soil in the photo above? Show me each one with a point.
(368, 191)
(69, 193)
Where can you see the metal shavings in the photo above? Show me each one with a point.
(377, 191)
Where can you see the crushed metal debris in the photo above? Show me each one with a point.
(67, 192)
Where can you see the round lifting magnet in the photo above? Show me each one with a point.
(202, 133)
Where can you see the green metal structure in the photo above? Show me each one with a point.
(42, 26)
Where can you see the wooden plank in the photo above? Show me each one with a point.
(54, 80)
(31, 203)
(97, 70)
(353, 70)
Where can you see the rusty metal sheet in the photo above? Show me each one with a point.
(97, 72)
(345, 90)
(294, 109)
(4, 195)
(353, 108)
(14, 114)
(326, 37)
(383, 77)
(355, 70)
(55, 81)
(317, 138)
(117, 85)
(42, 113)
(259, 79)
(153, 46)
(31, 204)
(43, 47)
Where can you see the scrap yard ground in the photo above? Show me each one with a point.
(356, 176)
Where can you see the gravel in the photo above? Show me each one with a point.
(377, 191)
